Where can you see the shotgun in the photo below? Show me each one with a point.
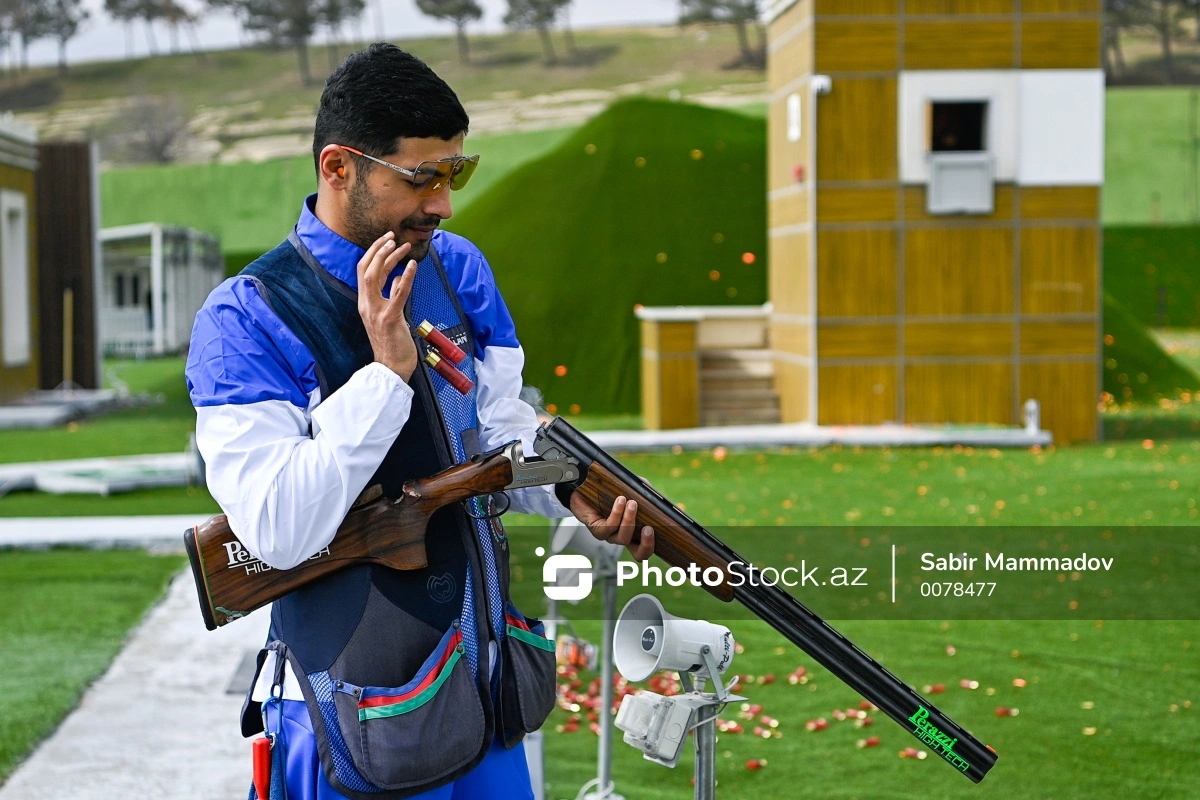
(231, 583)
(681, 541)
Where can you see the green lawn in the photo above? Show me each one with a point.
(1152, 270)
(161, 428)
(1122, 668)
(66, 615)
(213, 197)
(1151, 167)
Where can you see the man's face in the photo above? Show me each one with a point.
(384, 200)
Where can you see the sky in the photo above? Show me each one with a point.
(104, 39)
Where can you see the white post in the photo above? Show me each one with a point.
(157, 293)
(1033, 416)
(97, 266)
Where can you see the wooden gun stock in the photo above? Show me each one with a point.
(231, 583)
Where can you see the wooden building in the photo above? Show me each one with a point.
(68, 215)
(935, 171)
(19, 351)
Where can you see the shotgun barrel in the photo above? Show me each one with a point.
(791, 618)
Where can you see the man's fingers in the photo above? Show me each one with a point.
(382, 264)
(365, 262)
(645, 547)
(402, 285)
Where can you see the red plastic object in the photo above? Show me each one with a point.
(449, 350)
(260, 749)
(455, 378)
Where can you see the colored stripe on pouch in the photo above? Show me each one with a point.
(384, 705)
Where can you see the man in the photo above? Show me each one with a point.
(309, 387)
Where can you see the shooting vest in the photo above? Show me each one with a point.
(394, 665)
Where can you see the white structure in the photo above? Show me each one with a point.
(155, 278)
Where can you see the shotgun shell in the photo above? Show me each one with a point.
(455, 378)
(447, 348)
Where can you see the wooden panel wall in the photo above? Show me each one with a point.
(64, 190)
(858, 105)
(670, 375)
(958, 271)
(856, 273)
(16, 381)
(856, 394)
(790, 44)
(957, 393)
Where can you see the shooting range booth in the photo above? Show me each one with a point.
(155, 278)
(935, 169)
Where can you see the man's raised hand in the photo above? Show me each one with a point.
(383, 317)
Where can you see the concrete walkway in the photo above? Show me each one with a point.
(159, 724)
(151, 532)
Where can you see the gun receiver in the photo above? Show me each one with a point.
(681, 541)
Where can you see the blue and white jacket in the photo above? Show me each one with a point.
(284, 463)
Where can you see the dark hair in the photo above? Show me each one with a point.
(380, 94)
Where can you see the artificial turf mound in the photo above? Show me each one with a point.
(651, 202)
(1136, 368)
(1153, 270)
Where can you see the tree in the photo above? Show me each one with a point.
(335, 14)
(289, 23)
(1165, 18)
(125, 12)
(1119, 16)
(568, 34)
(460, 12)
(60, 20)
(23, 18)
(539, 15)
(739, 13)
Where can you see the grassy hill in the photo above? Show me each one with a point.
(1136, 368)
(1153, 269)
(652, 203)
(253, 206)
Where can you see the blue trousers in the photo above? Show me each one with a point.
(502, 775)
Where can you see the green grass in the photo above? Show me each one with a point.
(1136, 368)
(1150, 177)
(162, 428)
(1152, 269)
(214, 197)
(656, 234)
(1132, 671)
(67, 613)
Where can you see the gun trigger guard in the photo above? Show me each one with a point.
(495, 515)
